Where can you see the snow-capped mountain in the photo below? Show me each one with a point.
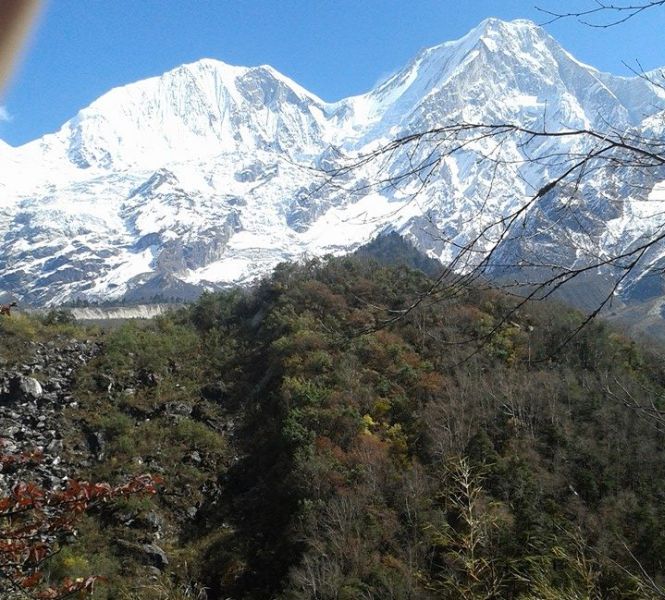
(211, 174)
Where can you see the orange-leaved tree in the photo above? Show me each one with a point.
(36, 522)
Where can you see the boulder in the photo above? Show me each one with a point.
(96, 443)
(156, 555)
(179, 408)
(55, 447)
(25, 388)
(150, 554)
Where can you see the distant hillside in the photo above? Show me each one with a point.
(392, 249)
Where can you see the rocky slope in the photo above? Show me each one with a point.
(209, 175)
(52, 430)
(31, 413)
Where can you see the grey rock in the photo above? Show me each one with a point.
(151, 554)
(97, 444)
(54, 447)
(25, 388)
(193, 458)
(9, 428)
(179, 408)
(156, 555)
(153, 521)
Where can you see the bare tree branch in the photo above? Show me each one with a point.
(604, 14)
(476, 259)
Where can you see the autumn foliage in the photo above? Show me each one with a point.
(35, 523)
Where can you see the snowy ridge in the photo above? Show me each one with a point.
(207, 175)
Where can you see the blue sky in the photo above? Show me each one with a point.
(335, 48)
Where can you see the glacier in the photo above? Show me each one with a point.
(210, 174)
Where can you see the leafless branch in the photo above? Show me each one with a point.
(604, 14)
(586, 153)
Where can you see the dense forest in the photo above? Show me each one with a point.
(310, 451)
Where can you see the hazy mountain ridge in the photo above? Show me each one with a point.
(203, 177)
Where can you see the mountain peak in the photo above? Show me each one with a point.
(496, 24)
(206, 67)
(494, 27)
(202, 108)
(519, 32)
(520, 35)
(491, 61)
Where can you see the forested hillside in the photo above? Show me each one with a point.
(309, 451)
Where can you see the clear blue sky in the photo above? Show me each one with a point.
(335, 48)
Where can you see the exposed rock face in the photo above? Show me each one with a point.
(104, 313)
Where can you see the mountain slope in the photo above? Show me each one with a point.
(302, 460)
(210, 174)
